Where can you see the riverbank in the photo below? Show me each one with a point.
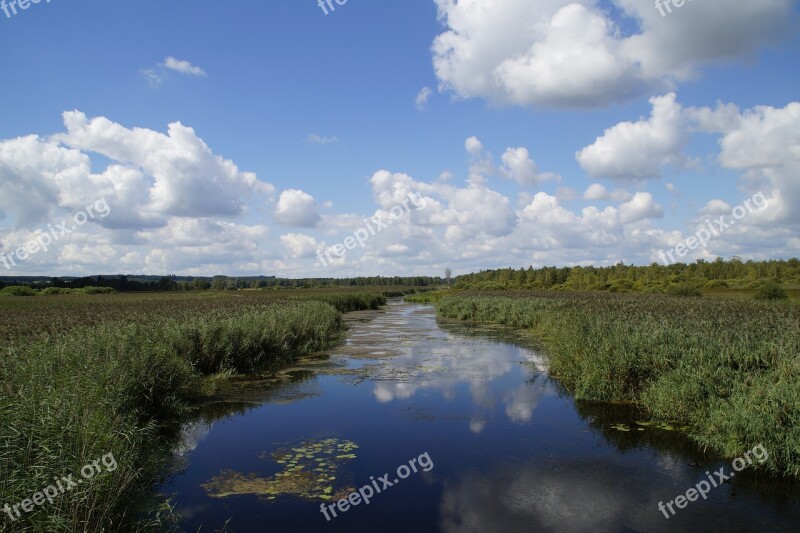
(83, 379)
(726, 369)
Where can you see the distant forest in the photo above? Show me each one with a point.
(734, 273)
(122, 283)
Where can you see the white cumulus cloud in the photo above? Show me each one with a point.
(297, 209)
(574, 53)
(639, 150)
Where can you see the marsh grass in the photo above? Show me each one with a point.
(348, 302)
(728, 369)
(103, 382)
(430, 297)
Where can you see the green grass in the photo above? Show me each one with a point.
(727, 368)
(111, 368)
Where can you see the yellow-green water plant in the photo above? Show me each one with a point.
(309, 470)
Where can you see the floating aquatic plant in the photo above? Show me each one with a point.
(308, 472)
(672, 425)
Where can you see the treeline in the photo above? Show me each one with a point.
(218, 283)
(720, 273)
(222, 283)
(374, 281)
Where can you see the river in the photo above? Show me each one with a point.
(489, 441)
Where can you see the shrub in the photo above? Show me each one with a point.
(50, 291)
(98, 290)
(621, 285)
(771, 291)
(18, 290)
(683, 290)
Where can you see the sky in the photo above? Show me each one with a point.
(395, 137)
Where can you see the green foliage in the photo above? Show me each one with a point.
(726, 368)
(24, 319)
(102, 382)
(683, 289)
(771, 291)
(653, 278)
(620, 285)
(431, 297)
(397, 293)
(98, 290)
(346, 303)
(18, 290)
(55, 291)
(200, 285)
(58, 291)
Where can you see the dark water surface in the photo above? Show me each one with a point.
(510, 451)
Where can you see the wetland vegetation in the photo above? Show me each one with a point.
(82, 376)
(727, 369)
(88, 371)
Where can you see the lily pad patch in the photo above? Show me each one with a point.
(308, 472)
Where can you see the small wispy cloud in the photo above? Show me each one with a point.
(155, 76)
(319, 139)
(422, 98)
(184, 67)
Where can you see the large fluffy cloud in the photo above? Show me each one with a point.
(642, 206)
(188, 179)
(163, 193)
(518, 166)
(639, 150)
(297, 208)
(765, 142)
(30, 169)
(299, 246)
(573, 53)
(178, 208)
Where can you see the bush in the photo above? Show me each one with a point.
(716, 284)
(771, 291)
(683, 290)
(621, 285)
(50, 291)
(98, 290)
(18, 290)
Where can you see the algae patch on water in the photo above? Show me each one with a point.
(672, 425)
(309, 471)
(666, 426)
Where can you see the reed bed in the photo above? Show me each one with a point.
(103, 374)
(728, 369)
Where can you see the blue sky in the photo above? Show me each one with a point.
(290, 116)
